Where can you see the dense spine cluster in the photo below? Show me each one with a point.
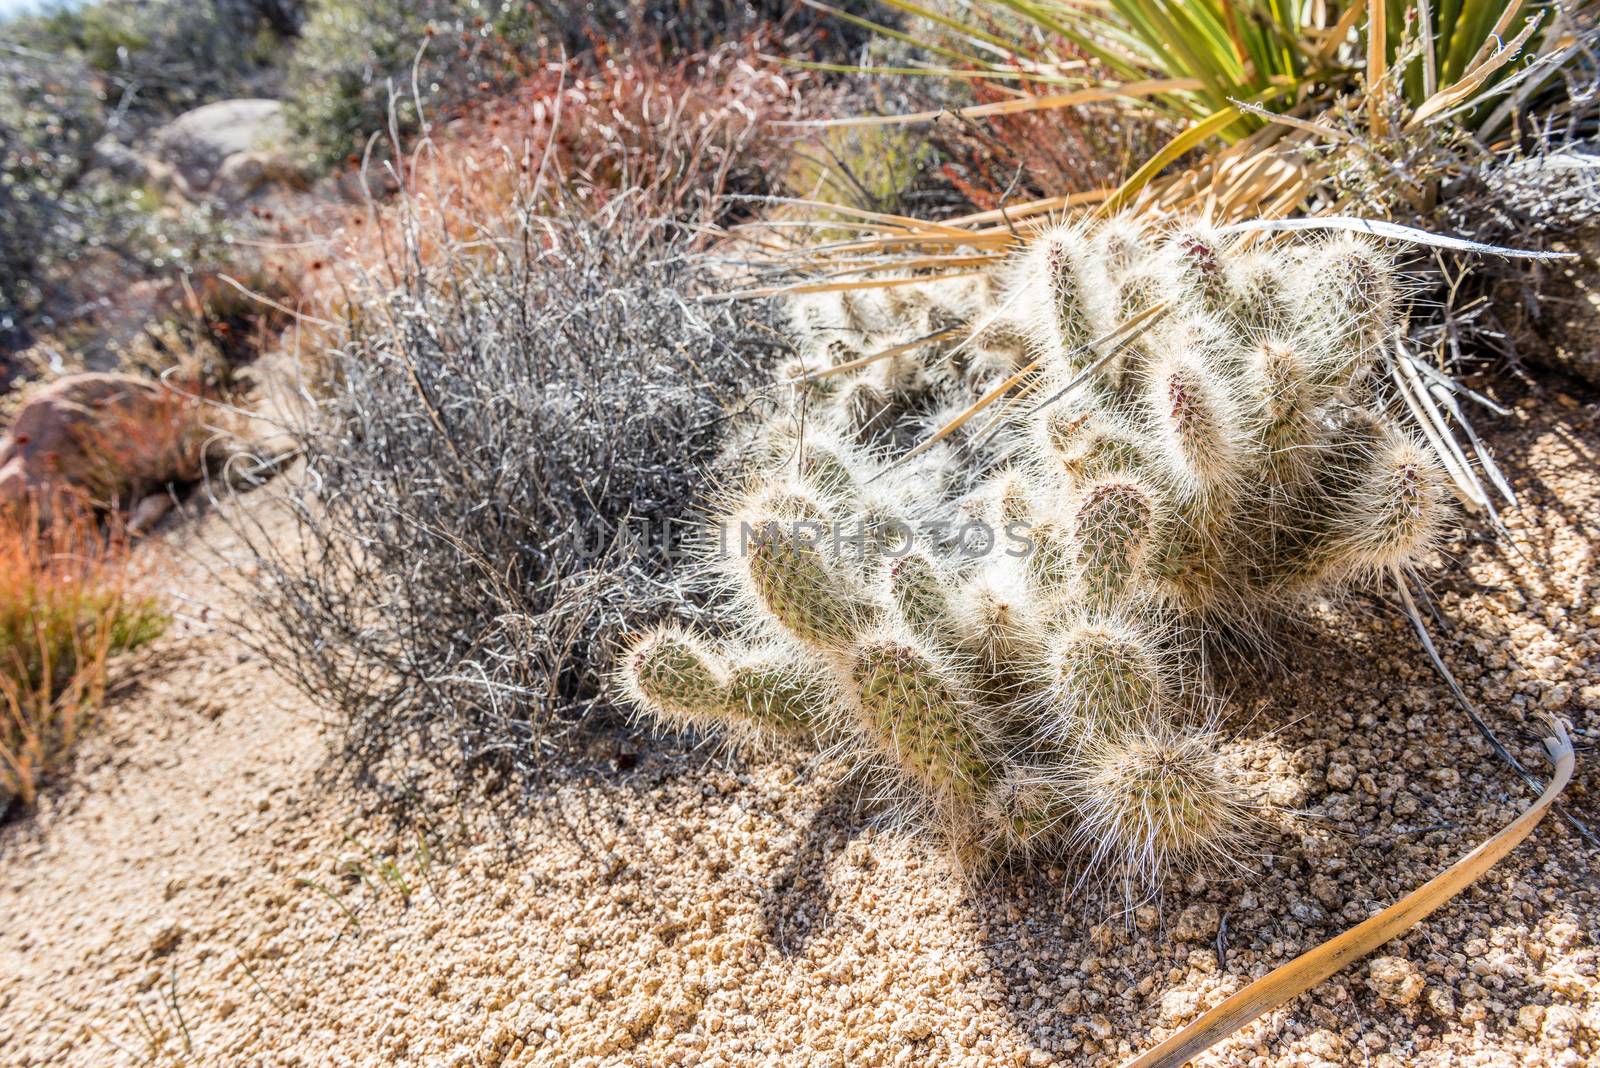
(1135, 493)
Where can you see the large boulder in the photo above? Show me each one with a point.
(195, 148)
(242, 173)
(113, 436)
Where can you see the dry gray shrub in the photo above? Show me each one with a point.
(493, 483)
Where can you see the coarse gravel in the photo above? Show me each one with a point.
(202, 890)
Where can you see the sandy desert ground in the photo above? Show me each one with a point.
(205, 891)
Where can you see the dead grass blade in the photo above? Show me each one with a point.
(1443, 389)
(1463, 89)
(1440, 439)
(1191, 137)
(829, 287)
(1377, 64)
(1393, 232)
(1307, 970)
(1336, 36)
(863, 361)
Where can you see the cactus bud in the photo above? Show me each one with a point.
(1154, 795)
(1285, 396)
(816, 315)
(1051, 556)
(867, 412)
(1392, 513)
(795, 371)
(1139, 291)
(1068, 301)
(1089, 445)
(866, 311)
(983, 366)
(782, 501)
(1199, 427)
(1012, 500)
(1198, 256)
(1121, 244)
(1261, 290)
(1000, 628)
(1347, 287)
(1112, 528)
(907, 306)
(772, 695)
(670, 672)
(825, 468)
(1028, 808)
(918, 589)
(1057, 309)
(1104, 676)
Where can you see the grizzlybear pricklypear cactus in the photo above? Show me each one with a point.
(1140, 492)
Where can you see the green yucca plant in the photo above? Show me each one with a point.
(1195, 59)
(1226, 70)
(1212, 53)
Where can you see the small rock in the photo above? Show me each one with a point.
(1327, 1045)
(1395, 980)
(1178, 1006)
(163, 936)
(195, 145)
(149, 511)
(112, 434)
(1197, 923)
(1561, 1025)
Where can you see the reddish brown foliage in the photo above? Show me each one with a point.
(672, 137)
(68, 600)
(676, 133)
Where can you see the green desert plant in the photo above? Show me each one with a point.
(1011, 617)
(1282, 108)
(1196, 58)
(356, 58)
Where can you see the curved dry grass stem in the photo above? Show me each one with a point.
(1307, 970)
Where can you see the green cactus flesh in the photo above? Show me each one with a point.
(806, 595)
(916, 715)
